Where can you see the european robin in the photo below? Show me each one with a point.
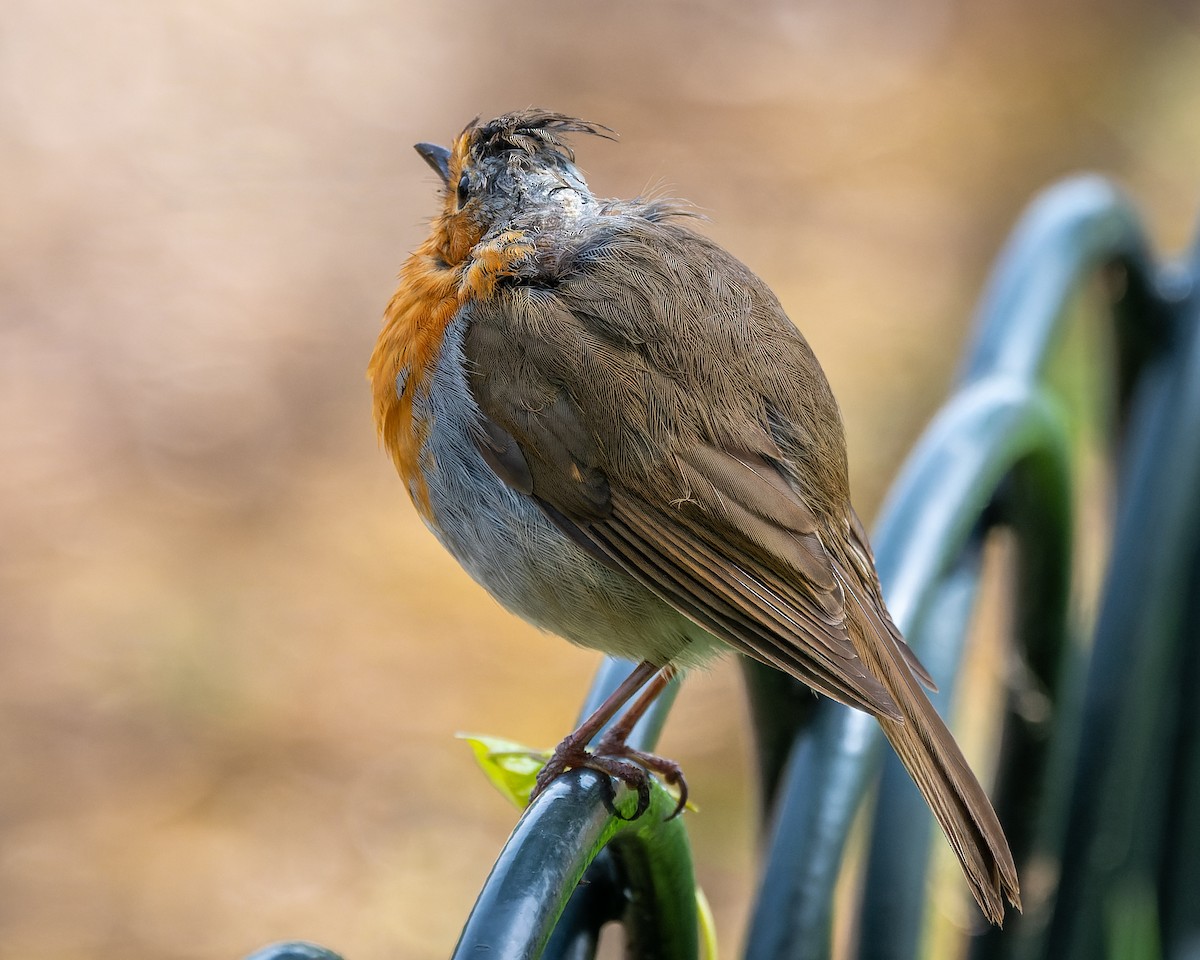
(613, 426)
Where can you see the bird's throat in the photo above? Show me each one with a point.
(429, 296)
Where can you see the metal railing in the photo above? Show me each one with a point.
(1098, 787)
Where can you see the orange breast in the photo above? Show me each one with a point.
(429, 296)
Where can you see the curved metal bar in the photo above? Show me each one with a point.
(552, 845)
(640, 871)
(951, 478)
(1070, 228)
(1181, 867)
(293, 950)
(1035, 500)
(544, 859)
(598, 900)
(985, 433)
(894, 894)
(1120, 834)
(1067, 231)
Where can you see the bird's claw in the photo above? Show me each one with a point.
(613, 758)
(670, 771)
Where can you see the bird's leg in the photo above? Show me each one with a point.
(572, 751)
(612, 755)
(613, 745)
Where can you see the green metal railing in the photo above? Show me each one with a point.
(1099, 787)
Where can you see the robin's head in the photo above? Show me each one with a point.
(500, 174)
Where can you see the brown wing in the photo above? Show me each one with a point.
(766, 589)
(764, 584)
(631, 461)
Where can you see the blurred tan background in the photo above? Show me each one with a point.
(233, 660)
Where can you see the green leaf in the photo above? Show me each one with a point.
(708, 926)
(512, 767)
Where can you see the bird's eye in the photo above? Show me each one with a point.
(464, 189)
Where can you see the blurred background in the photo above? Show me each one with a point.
(233, 660)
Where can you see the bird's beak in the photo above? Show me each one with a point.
(437, 157)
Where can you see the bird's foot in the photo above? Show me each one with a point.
(670, 771)
(618, 760)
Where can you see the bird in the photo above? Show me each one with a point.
(613, 426)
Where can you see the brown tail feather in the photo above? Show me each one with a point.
(934, 761)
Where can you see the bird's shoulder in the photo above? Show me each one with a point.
(644, 338)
